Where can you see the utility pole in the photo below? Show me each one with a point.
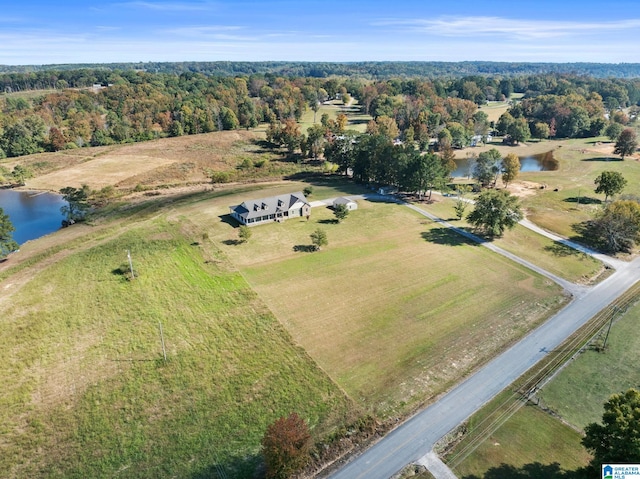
(164, 351)
(613, 315)
(130, 264)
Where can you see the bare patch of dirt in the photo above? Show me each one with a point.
(522, 189)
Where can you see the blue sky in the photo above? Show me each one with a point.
(71, 31)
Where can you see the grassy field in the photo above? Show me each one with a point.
(86, 392)
(530, 444)
(356, 120)
(162, 163)
(388, 306)
(494, 109)
(580, 161)
(579, 391)
(539, 250)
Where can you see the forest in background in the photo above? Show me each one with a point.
(369, 69)
(101, 106)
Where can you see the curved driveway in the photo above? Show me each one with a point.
(416, 436)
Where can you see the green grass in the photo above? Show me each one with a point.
(539, 250)
(86, 392)
(580, 390)
(579, 164)
(389, 304)
(554, 257)
(356, 120)
(530, 440)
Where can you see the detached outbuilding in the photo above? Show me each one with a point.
(350, 204)
(274, 208)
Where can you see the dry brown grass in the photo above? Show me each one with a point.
(167, 161)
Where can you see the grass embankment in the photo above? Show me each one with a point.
(86, 392)
(396, 308)
(529, 444)
(575, 395)
(578, 393)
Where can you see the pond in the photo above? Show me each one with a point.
(539, 162)
(33, 213)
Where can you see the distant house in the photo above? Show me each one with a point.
(350, 204)
(274, 208)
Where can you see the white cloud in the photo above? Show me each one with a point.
(211, 32)
(169, 6)
(513, 28)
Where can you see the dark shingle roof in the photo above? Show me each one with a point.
(266, 206)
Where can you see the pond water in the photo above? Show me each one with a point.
(539, 162)
(32, 213)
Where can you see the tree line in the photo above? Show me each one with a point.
(368, 69)
(101, 106)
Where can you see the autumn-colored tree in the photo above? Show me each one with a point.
(617, 227)
(510, 168)
(286, 446)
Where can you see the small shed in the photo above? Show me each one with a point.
(350, 204)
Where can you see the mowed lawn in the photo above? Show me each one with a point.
(86, 391)
(395, 308)
(579, 392)
(530, 444)
(554, 257)
(569, 196)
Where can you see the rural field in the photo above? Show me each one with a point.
(579, 391)
(395, 309)
(87, 392)
(393, 312)
(535, 434)
(544, 252)
(531, 443)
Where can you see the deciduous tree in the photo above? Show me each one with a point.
(610, 183)
(613, 131)
(510, 168)
(7, 244)
(495, 211)
(461, 203)
(319, 238)
(519, 130)
(617, 439)
(244, 233)
(618, 225)
(627, 143)
(286, 446)
(487, 167)
(340, 212)
(423, 173)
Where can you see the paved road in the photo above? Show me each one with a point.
(416, 437)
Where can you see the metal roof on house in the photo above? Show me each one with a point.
(265, 206)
